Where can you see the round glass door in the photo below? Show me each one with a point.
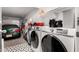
(34, 39)
(52, 44)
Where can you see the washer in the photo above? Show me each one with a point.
(35, 39)
(57, 40)
(35, 36)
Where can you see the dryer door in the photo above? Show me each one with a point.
(34, 39)
(52, 44)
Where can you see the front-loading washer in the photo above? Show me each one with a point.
(57, 39)
(35, 36)
(35, 39)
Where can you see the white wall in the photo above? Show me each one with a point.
(49, 16)
(31, 14)
(11, 20)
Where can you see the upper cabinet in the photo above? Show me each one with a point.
(68, 18)
(77, 18)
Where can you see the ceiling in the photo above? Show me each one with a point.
(17, 11)
(22, 12)
(47, 9)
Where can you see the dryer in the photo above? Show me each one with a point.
(57, 39)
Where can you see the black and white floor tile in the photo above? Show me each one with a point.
(24, 47)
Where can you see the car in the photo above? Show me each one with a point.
(11, 31)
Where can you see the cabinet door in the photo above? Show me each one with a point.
(68, 18)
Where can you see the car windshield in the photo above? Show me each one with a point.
(7, 26)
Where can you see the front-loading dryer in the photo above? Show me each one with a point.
(57, 39)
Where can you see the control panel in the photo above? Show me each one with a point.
(62, 31)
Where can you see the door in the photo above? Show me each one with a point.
(34, 39)
(52, 44)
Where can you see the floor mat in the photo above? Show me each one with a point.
(24, 47)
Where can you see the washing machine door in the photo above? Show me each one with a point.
(34, 39)
(52, 44)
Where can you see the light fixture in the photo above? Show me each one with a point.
(41, 13)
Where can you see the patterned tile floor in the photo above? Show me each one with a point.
(19, 48)
(16, 45)
(13, 42)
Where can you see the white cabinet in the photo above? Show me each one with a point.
(68, 18)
